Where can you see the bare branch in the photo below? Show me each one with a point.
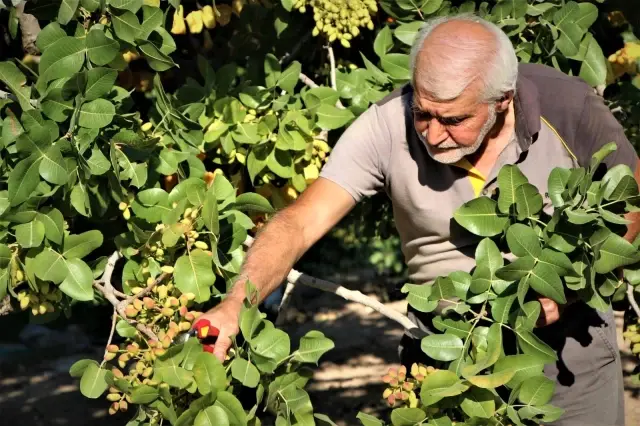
(332, 62)
(108, 291)
(294, 52)
(295, 277)
(147, 289)
(632, 300)
(306, 80)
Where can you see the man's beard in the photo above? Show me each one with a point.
(453, 152)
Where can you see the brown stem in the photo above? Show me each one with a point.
(113, 329)
(632, 300)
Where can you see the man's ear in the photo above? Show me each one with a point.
(502, 104)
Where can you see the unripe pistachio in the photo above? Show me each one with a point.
(149, 303)
(113, 397)
(137, 303)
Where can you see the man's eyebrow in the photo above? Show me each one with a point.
(417, 109)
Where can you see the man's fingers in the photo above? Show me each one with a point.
(222, 346)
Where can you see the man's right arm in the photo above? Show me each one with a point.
(277, 247)
(355, 169)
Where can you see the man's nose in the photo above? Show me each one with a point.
(436, 132)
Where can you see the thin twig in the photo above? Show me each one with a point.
(113, 329)
(12, 97)
(147, 289)
(294, 52)
(332, 62)
(632, 300)
(295, 277)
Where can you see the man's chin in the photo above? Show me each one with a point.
(447, 155)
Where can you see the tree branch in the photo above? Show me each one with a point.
(30, 29)
(11, 96)
(632, 300)
(295, 277)
(109, 293)
(332, 62)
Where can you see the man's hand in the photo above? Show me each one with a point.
(225, 318)
(549, 313)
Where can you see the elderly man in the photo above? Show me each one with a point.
(437, 143)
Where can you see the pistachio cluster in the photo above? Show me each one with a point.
(402, 389)
(340, 19)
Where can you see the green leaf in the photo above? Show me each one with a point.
(96, 114)
(15, 80)
(252, 202)
(442, 347)
(151, 20)
(78, 368)
(49, 35)
(536, 390)
(67, 11)
(23, 180)
(167, 369)
(90, 5)
(396, 65)
(50, 265)
(523, 366)
(600, 155)
(210, 211)
(615, 252)
(501, 308)
(406, 416)
(125, 329)
(245, 372)
(130, 5)
(158, 60)
(559, 262)
(232, 407)
(407, 33)
(330, 117)
(383, 42)
(517, 269)
(491, 381)
(5, 255)
(441, 384)
(271, 69)
(30, 234)
(271, 343)
(556, 183)
(289, 78)
(509, 178)
(528, 201)
(212, 416)
(368, 420)
(480, 217)
(209, 374)
(532, 345)
(100, 81)
(418, 297)
(93, 382)
(101, 49)
(481, 279)
(448, 325)
(63, 58)
(545, 281)
(546, 413)
(580, 217)
(442, 289)
(98, 163)
(79, 281)
(313, 345)
(478, 402)
(52, 167)
(126, 26)
(626, 188)
(194, 274)
(56, 107)
(523, 241)
(144, 394)
(80, 245)
(594, 66)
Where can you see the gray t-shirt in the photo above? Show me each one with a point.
(560, 122)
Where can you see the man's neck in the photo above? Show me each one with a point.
(496, 141)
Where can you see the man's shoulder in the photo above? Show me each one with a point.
(560, 95)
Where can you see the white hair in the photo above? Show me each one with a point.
(461, 62)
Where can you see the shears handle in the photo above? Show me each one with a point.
(205, 331)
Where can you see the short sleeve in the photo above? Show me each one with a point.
(357, 162)
(598, 126)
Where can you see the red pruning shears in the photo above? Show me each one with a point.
(204, 331)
